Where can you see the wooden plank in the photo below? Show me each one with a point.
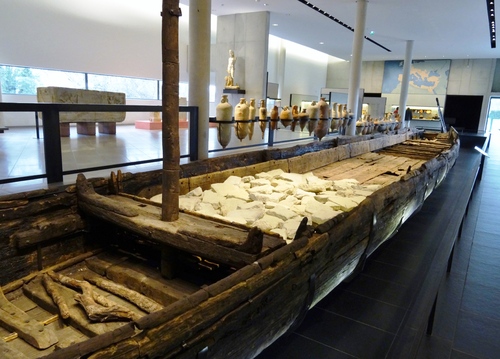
(7, 351)
(127, 274)
(26, 327)
(189, 233)
(141, 301)
(48, 226)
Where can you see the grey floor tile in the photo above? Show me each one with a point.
(433, 347)
(481, 299)
(345, 335)
(477, 336)
(295, 346)
(364, 310)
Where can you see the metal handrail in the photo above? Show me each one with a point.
(52, 140)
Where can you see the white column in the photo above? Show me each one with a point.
(405, 81)
(199, 67)
(357, 52)
(281, 71)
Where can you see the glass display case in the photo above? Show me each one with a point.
(423, 117)
(421, 112)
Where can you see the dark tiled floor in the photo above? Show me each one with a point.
(360, 319)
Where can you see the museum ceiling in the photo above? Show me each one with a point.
(452, 29)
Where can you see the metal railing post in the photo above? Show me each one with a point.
(52, 144)
(193, 133)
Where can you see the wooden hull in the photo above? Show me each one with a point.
(236, 300)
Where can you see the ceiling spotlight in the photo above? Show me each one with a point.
(321, 43)
(331, 17)
(275, 24)
(372, 32)
(490, 4)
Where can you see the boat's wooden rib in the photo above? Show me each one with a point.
(26, 327)
(141, 301)
(78, 318)
(142, 280)
(7, 351)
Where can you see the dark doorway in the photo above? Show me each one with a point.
(463, 112)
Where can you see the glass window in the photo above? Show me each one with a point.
(25, 80)
(133, 87)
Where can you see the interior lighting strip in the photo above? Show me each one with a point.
(333, 18)
(490, 5)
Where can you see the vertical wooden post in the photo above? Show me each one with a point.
(170, 112)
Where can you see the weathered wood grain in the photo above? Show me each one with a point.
(26, 327)
(143, 302)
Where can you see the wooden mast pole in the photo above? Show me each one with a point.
(170, 111)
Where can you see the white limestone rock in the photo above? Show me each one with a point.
(259, 182)
(324, 196)
(315, 184)
(340, 203)
(295, 178)
(282, 233)
(157, 198)
(239, 193)
(282, 212)
(238, 220)
(247, 179)
(251, 205)
(300, 194)
(249, 215)
(267, 189)
(230, 191)
(188, 203)
(289, 201)
(212, 198)
(322, 216)
(206, 209)
(270, 174)
(270, 205)
(197, 192)
(267, 223)
(230, 204)
(284, 187)
(319, 212)
(235, 180)
(291, 227)
(263, 197)
(345, 183)
(300, 209)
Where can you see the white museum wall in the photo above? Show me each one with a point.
(69, 38)
(250, 44)
(297, 69)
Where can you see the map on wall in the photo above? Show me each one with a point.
(426, 77)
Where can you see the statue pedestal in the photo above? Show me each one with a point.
(148, 125)
(231, 90)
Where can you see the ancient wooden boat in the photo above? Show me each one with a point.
(91, 271)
